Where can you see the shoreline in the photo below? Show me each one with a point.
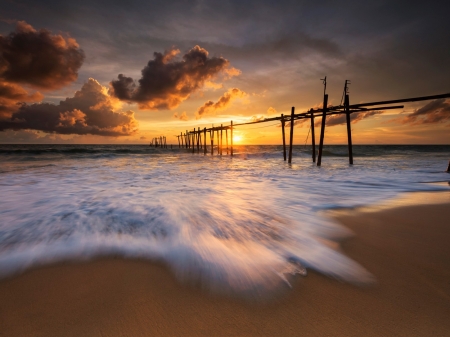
(405, 247)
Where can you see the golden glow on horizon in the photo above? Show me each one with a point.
(237, 138)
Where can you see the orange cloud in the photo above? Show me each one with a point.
(38, 58)
(436, 111)
(165, 82)
(211, 107)
(90, 111)
(182, 117)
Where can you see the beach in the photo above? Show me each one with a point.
(406, 248)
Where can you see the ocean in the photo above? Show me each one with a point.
(239, 224)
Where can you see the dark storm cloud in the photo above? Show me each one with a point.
(436, 111)
(90, 111)
(38, 58)
(166, 82)
(222, 103)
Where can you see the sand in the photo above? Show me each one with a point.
(407, 248)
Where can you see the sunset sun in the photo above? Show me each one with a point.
(237, 139)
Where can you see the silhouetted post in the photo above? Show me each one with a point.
(193, 141)
(218, 142)
(349, 129)
(291, 138)
(211, 137)
(231, 136)
(198, 140)
(221, 138)
(313, 138)
(204, 141)
(322, 129)
(284, 139)
(187, 140)
(226, 138)
(178, 138)
(200, 136)
(448, 168)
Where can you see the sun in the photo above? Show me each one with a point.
(237, 138)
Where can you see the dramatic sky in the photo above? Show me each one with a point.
(127, 71)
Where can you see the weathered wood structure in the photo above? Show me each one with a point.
(190, 138)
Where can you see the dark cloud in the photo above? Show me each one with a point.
(166, 82)
(436, 111)
(38, 58)
(211, 107)
(355, 117)
(90, 111)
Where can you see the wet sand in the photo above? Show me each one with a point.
(407, 249)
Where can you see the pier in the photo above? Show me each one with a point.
(196, 140)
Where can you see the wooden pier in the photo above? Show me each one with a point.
(193, 139)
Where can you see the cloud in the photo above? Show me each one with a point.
(182, 117)
(38, 58)
(434, 112)
(211, 107)
(10, 96)
(166, 82)
(355, 117)
(90, 111)
(272, 111)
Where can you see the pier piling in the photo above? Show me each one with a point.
(231, 135)
(322, 129)
(284, 138)
(291, 137)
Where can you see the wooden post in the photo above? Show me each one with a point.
(181, 136)
(218, 142)
(187, 140)
(291, 137)
(221, 138)
(313, 138)
(198, 140)
(231, 136)
(211, 137)
(193, 141)
(284, 138)
(349, 130)
(448, 168)
(226, 138)
(322, 129)
(204, 141)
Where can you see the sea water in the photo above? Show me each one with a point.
(237, 224)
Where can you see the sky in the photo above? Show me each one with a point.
(123, 72)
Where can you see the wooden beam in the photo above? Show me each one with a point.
(291, 137)
(322, 129)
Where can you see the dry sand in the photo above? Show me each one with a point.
(406, 248)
